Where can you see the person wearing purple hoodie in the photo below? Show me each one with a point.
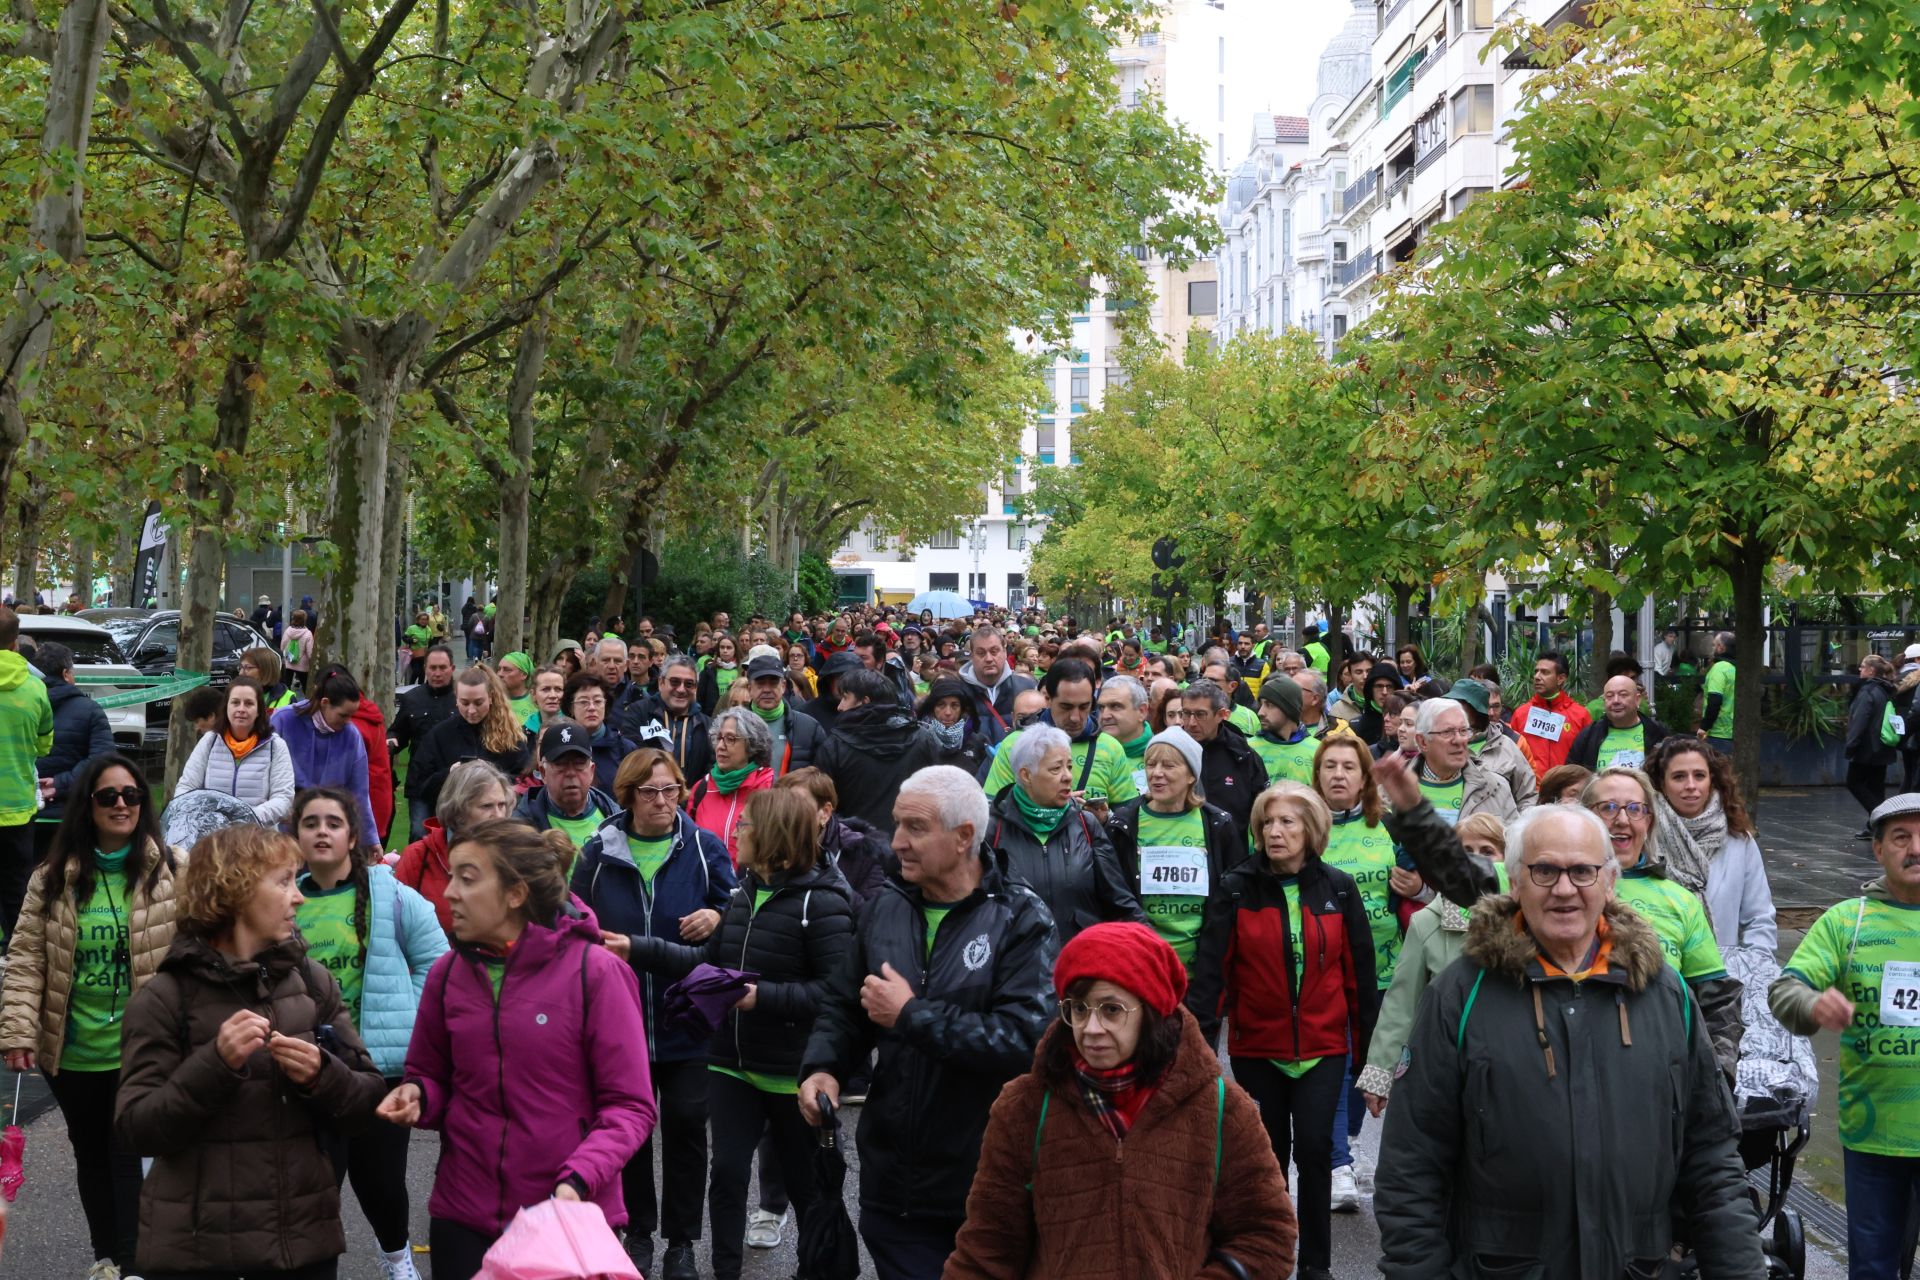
(527, 985)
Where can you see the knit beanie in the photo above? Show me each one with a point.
(1183, 742)
(1128, 955)
(1283, 693)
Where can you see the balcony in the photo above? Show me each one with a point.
(1312, 247)
(1359, 196)
(1398, 185)
(1432, 60)
(1355, 269)
(1393, 11)
(1400, 82)
(1426, 161)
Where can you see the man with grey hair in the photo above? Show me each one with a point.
(1313, 701)
(1123, 717)
(1507, 1145)
(1450, 775)
(674, 722)
(950, 978)
(1231, 773)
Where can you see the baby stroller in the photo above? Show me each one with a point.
(1774, 1088)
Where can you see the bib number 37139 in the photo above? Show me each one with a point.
(1542, 723)
(1168, 869)
(1900, 994)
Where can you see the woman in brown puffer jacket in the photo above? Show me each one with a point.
(239, 1055)
(97, 920)
(1124, 1152)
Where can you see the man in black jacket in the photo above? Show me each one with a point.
(417, 712)
(797, 736)
(1620, 737)
(1231, 774)
(950, 978)
(874, 747)
(825, 706)
(673, 721)
(1868, 754)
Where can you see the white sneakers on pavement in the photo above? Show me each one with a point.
(1346, 1195)
(103, 1270)
(763, 1229)
(398, 1265)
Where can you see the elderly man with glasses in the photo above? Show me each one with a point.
(1450, 774)
(674, 722)
(1558, 1104)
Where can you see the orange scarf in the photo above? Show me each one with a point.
(1602, 952)
(240, 750)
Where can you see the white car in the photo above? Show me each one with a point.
(94, 654)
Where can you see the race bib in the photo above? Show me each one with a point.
(1900, 994)
(1626, 760)
(1167, 869)
(1542, 723)
(1140, 781)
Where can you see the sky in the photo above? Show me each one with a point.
(1284, 39)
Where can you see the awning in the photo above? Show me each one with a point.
(1398, 236)
(1430, 26)
(1402, 142)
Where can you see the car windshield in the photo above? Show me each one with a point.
(89, 649)
(124, 629)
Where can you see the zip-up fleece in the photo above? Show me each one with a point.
(697, 875)
(1245, 964)
(26, 734)
(549, 1082)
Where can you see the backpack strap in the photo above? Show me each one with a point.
(1039, 1128)
(1086, 764)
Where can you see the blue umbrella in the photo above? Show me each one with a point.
(944, 604)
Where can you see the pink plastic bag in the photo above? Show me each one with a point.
(558, 1240)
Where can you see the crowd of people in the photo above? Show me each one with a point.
(656, 913)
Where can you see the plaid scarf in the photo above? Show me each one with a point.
(1115, 1096)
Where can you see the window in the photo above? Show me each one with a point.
(1465, 197)
(1148, 39)
(1473, 110)
(1117, 377)
(1339, 252)
(943, 582)
(1223, 67)
(1223, 92)
(1481, 12)
(947, 539)
(1203, 298)
(976, 585)
(1339, 323)
(1016, 537)
(1080, 388)
(1016, 590)
(1043, 441)
(1430, 131)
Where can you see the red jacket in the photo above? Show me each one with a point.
(1244, 966)
(1551, 753)
(373, 731)
(423, 866)
(720, 814)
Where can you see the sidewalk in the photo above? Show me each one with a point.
(1806, 837)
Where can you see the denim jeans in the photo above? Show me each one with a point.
(1880, 1196)
(1349, 1117)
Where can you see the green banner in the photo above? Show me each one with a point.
(147, 688)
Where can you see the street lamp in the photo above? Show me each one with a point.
(977, 541)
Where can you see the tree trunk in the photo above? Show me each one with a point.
(357, 471)
(83, 566)
(393, 545)
(510, 605)
(1470, 631)
(1748, 572)
(1402, 614)
(125, 552)
(1602, 642)
(633, 532)
(1336, 647)
(33, 480)
(1299, 622)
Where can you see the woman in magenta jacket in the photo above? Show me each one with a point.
(529, 1053)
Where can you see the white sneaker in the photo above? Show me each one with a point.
(1363, 1171)
(763, 1229)
(1346, 1196)
(398, 1266)
(103, 1270)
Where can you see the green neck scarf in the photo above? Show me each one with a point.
(1043, 821)
(727, 781)
(1137, 749)
(771, 717)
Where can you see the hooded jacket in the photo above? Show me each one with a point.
(334, 759)
(240, 1178)
(981, 999)
(972, 749)
(80, 732)
(993, 704)
(1073, 870)
(1245, 964)
(546, 1082)
(373, 732)
(824, 706)
(698, 875)
(1864, 714)
(1435, 937)
(39, 971)
(795, 940)
(1502, 757)
(1483, 792)
(860, 854)
(404, 938)
(423, 868)
(687, 738)
(264, 779)
(1063, 1198)
(26, 734)
(1508, 1150)
(872, 750)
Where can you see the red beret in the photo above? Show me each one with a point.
(1128, 955)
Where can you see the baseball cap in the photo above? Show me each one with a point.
(564, 737)
(1913, 651)
(765, 665)
(1469, 692)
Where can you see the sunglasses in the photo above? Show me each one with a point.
(132, 797)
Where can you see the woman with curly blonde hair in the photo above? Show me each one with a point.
(238, 1055)
(482, 727)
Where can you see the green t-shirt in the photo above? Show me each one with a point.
(1624, 747)
(760, 896)
(1110, 778)
(523, 708)
(581, 829)
(1290, 890)
(1137, 759)
(1174, 878)
(723, 678)
(1677, 916)
(1366, 854)
(102, 976)
(649, 854)
(1243, 719)
(936, 914)
(326, 922)
(1879, 1085)
(496, 973)
(1292, 761)
(1720, 681)
(419, 637)
(1446, 797)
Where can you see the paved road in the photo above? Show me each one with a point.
(1811, 858)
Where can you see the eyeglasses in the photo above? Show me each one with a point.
(1450, 735)
(653, 795)
(132, 797)
(1633, 809)
(1547, 875)
(1110, 1012)
(726, 739)
(678, 684)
